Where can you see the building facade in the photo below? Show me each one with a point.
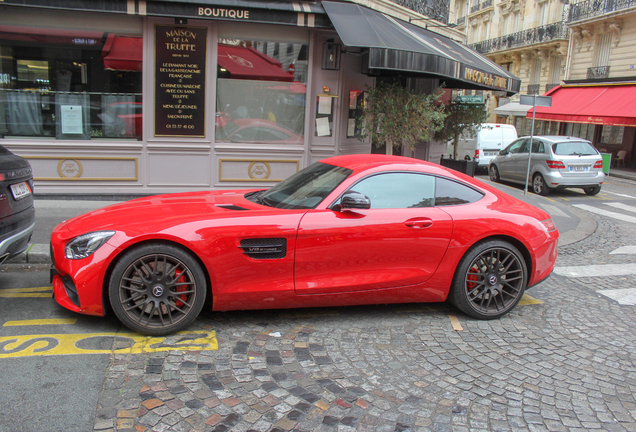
(143, 97)
(528, 38)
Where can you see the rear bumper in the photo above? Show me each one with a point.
(556, 180)
(16, 240)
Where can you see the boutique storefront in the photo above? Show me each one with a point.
(143, 97)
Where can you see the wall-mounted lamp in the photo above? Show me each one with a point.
(331, 55)
(181, 21)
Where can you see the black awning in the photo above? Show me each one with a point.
(397, 46)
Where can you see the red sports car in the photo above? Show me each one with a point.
(349, 230)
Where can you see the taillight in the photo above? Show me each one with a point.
(1, 176)
(555, 164)
(476, 154)
(598, 164)
(548, 225)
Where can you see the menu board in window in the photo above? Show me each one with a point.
(180, 81)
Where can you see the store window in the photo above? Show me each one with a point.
(70, 84)
(585, 131)
(261, 88)
(612, 135)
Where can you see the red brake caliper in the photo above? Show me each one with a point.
(472, 276)
(180, 279)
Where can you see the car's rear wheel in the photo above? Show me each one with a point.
(489, 280)
(494, 173)
(157, 289)
(592, 190)
(539, 186)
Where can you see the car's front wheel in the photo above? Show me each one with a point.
(489, 280)
(592, 190)
(157, 289)
(494, 173)
(538, 185)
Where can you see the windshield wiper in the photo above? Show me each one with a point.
(260, 199)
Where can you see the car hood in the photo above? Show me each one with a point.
(162, 211)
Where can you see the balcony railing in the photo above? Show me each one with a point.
(598, 72)
(531, 36)
(475, 8)
(486, 3)
(549, 87)
(434, 9)
(461, 20)
(591, 8)
(534, 89)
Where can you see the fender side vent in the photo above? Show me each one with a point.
(230, 207)
(272, 248)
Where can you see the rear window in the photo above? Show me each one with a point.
(449, 192)
(573, 148)
(491, 133)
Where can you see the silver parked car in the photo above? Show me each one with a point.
(557, 162)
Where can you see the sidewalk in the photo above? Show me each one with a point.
(624, 173)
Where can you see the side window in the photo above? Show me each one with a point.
(450, 192)
(398, 190)
(537, 146)
(516, 147)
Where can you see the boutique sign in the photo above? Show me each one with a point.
(180, 81)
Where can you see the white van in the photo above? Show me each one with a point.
(490, 139)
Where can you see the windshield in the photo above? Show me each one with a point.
(305, 189)
(578, 148)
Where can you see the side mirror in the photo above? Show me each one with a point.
(503, 152)
(354, 200)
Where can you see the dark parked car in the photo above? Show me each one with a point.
(17, 215)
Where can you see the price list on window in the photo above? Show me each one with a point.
(180, 81)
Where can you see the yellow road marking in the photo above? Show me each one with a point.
(22, 290)
(527, 300)
(40, 322)
(550, 199)
(27, 292)
(455, 323)
(101, 343)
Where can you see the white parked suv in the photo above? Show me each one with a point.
(557, 162)
(490, 138)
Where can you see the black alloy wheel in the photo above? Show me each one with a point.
(494, 173)
(157, 289)
(490, 280)
(538, 185)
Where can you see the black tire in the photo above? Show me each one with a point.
(538, 185)
(494, 173)
(157, 289)
(593, 190)
(490, 280)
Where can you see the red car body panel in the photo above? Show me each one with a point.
(333, 258)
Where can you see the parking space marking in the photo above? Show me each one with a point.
(34, 322)
(624, 250)
(621, 195)
(104, 343)
(528, 300)
(455, 323)
(554, 210)
(27, 292)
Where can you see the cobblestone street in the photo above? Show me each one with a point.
(563, 362)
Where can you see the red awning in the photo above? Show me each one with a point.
(607, 104)
(248, 63)
(123, 53)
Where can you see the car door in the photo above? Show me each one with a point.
(399, 241)
(506, 163)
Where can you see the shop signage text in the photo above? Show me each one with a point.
(180, 81)
(485, 78)
(224, 13)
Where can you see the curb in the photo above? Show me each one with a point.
(35, 254)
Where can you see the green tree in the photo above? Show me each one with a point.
(462, 119)
(395, 116)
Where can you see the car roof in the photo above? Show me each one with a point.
(356, 161)
(558, 138)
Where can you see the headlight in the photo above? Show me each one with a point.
(85, 245)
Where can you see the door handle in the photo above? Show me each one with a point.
(419, 223)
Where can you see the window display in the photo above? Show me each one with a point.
(261, 91)
(69, 84)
